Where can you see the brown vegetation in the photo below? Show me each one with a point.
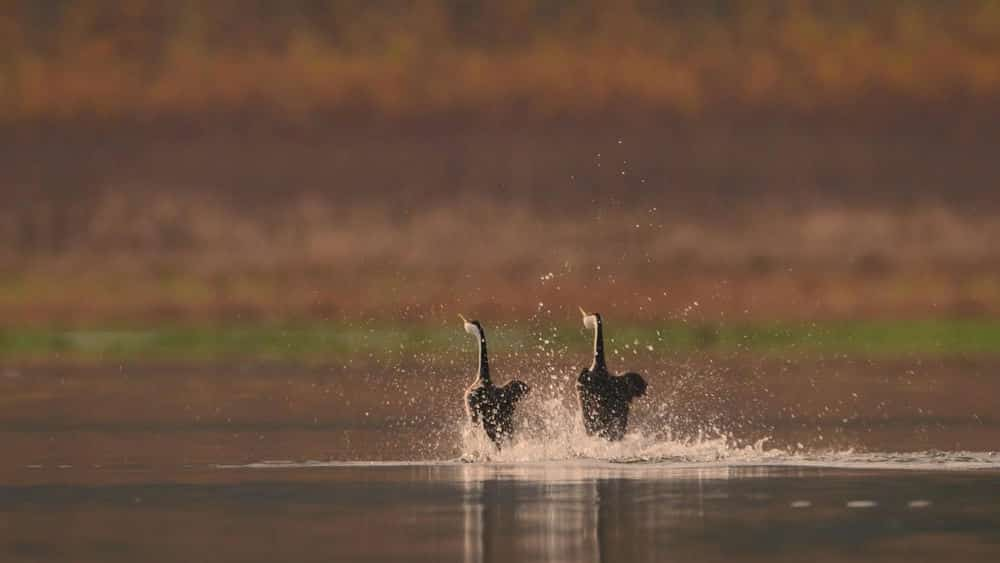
(245, 219)
(530, 57)
(173, 256)
(780, 158)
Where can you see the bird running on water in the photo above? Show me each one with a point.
(486, 404)
(605, 398)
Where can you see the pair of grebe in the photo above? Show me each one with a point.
(604, 397)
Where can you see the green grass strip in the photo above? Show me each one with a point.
(336, 342)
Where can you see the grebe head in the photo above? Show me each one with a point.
(590, 320)
(472, 327)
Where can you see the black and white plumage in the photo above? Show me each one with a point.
(605, 398)
(488, 405)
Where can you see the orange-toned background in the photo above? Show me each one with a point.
(779, 159)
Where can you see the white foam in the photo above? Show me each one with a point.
(550, 443)
(554, 432)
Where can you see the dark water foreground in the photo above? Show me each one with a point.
(544, 511)
(812, 461)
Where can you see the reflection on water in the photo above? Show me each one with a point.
(563, 527)
(589, 513)
(492, 512)
(560, 512)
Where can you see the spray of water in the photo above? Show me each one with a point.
(552, 430)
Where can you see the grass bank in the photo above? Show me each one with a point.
(333, 342)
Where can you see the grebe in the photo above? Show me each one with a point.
(489, 405)
(605, 398)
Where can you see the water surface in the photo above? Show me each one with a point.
(770, 461)
(546, 511)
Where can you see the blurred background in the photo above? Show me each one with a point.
(792, 158)
(192, 160)
(795, 191)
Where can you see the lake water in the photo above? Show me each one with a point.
(832, 462)
(546, 511)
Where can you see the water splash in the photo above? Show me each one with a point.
(553, 431)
